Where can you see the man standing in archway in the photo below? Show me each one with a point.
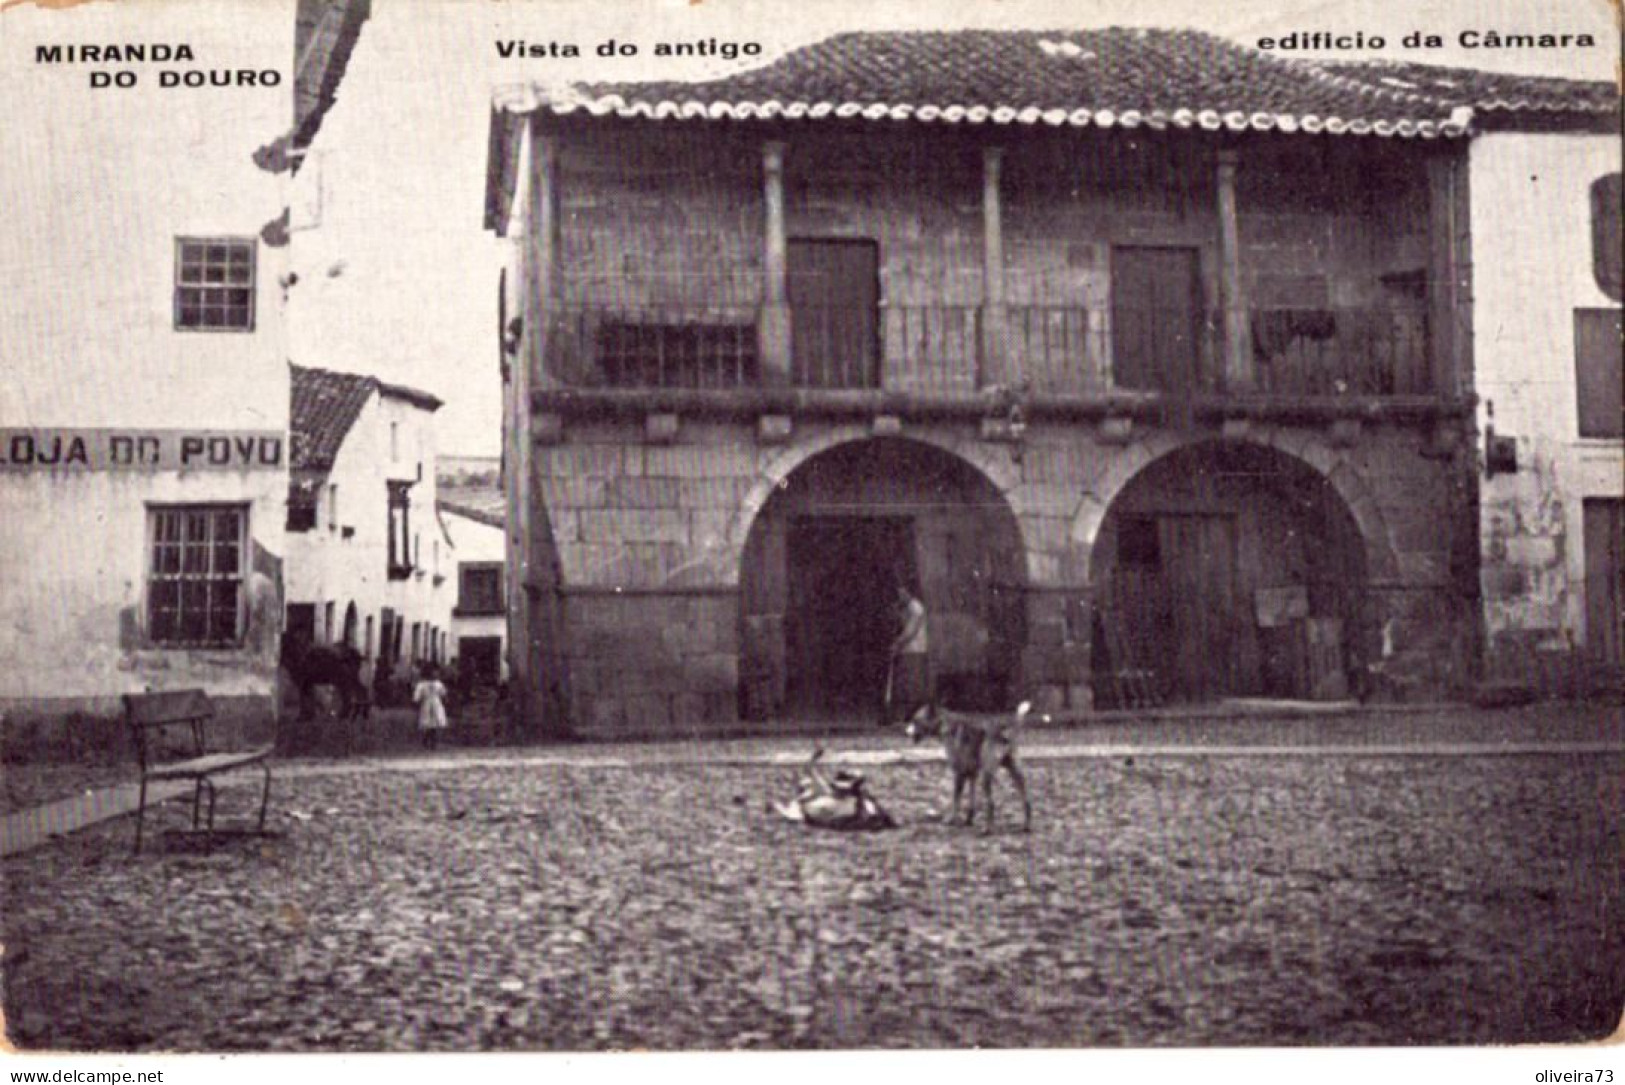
(908, 674)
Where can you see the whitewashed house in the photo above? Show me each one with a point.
(1545, 177)
(369, 563)
(144, 403)
(479, 620)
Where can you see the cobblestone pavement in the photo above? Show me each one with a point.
(1351, 899)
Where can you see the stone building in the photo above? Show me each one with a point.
(1144, 357)
(369, 562)
(144, 404)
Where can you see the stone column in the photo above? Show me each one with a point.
(993, 361)
(542, 255)
(1445, 283)
(774, 322)
(1239, 375)
(533, 661)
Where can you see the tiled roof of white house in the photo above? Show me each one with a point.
(1483, 92)
(325, 404)
(1113, 78)
(483, 505)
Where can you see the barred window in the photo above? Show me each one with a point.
(214, 284)
(195, 576)
(479, 588)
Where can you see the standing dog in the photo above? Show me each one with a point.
(977, 746)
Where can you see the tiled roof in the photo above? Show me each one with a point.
(483, 506)
(1106, 78)
(325, 34)
(1480, 90)
(325, 404)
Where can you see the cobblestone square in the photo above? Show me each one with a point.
(1162, 899)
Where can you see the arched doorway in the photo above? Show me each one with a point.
(821, 565)
(351, 619)
(1229, 569)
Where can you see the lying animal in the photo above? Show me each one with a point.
(833, 802)
(977, 746)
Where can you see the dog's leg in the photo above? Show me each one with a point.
(959, 787)
(987, 795)
(1021, 789)
(970, 797)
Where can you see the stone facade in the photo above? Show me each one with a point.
(661, 564)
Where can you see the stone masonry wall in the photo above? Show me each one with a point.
(650, 538)
(662, 220)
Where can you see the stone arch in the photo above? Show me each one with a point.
(1001, 474)
(857, 511)
(1382, 558)
(1234, 566)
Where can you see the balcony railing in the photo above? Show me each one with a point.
(1327, 352)
(1047, 348)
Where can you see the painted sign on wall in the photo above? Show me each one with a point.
(140, 450)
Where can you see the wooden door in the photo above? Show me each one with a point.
(1156, 319)
(1605, 595)
(764, 600)
(1199, 575)
(834, 313)
(479, 660)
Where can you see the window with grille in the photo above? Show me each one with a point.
(479, 588)
(195, 575)
(214, 284)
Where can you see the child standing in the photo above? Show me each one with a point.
(430, 697)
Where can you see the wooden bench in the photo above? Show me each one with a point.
(151, 716)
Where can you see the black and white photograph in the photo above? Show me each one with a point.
(718, 526)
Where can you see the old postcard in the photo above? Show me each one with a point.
(730, 525)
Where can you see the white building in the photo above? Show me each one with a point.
(1542, 210)
(1547, 288)
(475, 519)
(144, 407)
(369, 563)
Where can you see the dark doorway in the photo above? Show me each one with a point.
(1156, 319)
(1605, 596)
(842, 615)
(834, 313)
(479, 660)
(818, 582)
(301, 624)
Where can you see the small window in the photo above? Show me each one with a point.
(479, 588)
(214, 284)
(1599, 341)
(1607, 236)
(195, 574)
(301, 511)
